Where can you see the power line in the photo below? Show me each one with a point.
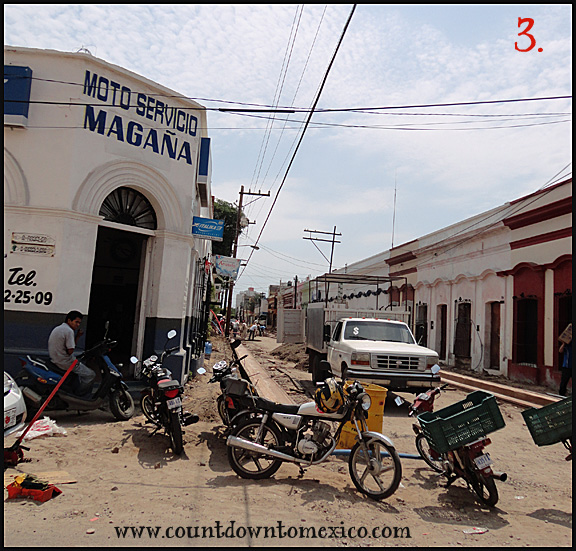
(323, 83)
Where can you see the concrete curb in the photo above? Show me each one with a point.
(517, 396)
(265, 385)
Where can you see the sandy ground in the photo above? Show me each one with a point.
(131, 490)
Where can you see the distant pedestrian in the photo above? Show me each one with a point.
(235, 328)
(566, 369)
(252, 332)
(261, 329)
(243, 330)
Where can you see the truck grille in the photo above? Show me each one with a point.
(396, 362)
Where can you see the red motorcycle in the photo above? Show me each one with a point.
(425, 402)
(452, 440)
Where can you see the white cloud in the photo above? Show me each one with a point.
(391, 55)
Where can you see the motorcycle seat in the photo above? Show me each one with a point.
(47, 363)
(172, 384)
(269, 405)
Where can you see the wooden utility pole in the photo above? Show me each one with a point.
(333, 241)
(235, 251)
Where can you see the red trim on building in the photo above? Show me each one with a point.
(404, 272)
(535, 216)
(401, 258)
(543, 238)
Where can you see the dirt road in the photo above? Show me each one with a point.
(131, 490)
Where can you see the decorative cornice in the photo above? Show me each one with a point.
(541, 214)
(543, 238)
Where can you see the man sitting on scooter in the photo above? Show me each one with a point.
(61, 344)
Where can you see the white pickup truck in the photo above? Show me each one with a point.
(377, 351)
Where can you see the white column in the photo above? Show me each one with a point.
(549, 338)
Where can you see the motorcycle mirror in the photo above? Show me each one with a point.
(435, 369)
(171, 334)
(200, 371)
(106, 326)
(235, 344)
(399, 400)
(134, 360)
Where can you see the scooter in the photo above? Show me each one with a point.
(161, 400)
(39, 377)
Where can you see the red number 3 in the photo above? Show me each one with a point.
(530, 22)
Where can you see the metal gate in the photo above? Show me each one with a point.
(200, 309)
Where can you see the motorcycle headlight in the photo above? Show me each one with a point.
(365, 401)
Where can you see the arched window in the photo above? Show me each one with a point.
(127, 206)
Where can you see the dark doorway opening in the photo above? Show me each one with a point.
(114, 291)
(494, 335)
(462, 335)
(422, 324)
(442, 330)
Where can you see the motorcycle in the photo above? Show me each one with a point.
(452, 440)
(161, 400)
(237, 397)
(304, 435)
(39, 376)
(425, 402)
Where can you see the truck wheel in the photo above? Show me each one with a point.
(319, 374)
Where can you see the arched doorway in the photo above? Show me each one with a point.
(117, 274)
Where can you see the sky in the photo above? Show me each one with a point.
(381, 177)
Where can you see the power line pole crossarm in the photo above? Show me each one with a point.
(235, 251)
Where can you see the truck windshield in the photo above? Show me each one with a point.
(377, 331)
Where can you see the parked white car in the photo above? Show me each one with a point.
(14, 406)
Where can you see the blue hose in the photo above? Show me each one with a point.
(384, 454)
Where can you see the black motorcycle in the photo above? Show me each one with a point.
(161, 400)
(237, 394)
(39, 376)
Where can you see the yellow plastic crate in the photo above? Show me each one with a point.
(375, 416)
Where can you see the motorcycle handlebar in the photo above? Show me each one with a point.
(96, 349)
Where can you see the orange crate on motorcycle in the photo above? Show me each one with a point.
(463, 422)
(550, 424)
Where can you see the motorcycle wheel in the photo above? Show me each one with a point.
(147, 406)
(375, 475)
(175, 431)
(222, 409)
(485, 488)
(424, 450)
(121, 404)
(254, 465)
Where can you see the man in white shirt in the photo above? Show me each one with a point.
(61, 344)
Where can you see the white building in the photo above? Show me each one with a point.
(103, 173)
(492, 292)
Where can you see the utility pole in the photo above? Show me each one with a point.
(333, 241)
(235, 251)
(295, 289)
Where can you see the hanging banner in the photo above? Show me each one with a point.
(226, 266)
(208, 228)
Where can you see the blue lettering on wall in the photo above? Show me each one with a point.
(114, 93)
(96, 122)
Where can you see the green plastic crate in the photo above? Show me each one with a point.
(463, 422)
(550, 424)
